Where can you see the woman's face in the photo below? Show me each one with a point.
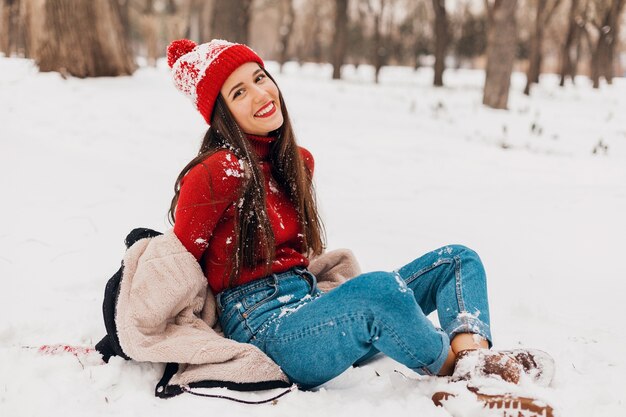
(252, 98)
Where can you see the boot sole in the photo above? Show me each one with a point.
(508, 405)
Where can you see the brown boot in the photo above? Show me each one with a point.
(505, 405)
(508, 365)
(538, 365)
(480, 363)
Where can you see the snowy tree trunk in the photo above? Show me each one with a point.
(377, 58)
(536, 40)
(29, 19)
(340, 40)
(543, 17)
(378, 50)
(613, 39)
(598, 60)
(5, 26)
(441, 40)
(567, 53)
(83, 39)
(9, 26)
(501, 45)
(602, 58)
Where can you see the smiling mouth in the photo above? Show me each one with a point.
(267, 110)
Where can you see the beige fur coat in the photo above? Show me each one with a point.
(165, 312)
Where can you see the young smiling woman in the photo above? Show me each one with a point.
(253, 100)
(245, 208)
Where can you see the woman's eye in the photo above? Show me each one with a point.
(237, 93)
(260, 77)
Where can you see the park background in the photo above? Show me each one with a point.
(415, 148)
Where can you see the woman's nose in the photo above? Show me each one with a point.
(259, 94)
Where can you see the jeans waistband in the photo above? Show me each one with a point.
(271, 280)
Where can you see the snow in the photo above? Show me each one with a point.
(402, 287)
(447, 250)
(401, 169)
(285, 298)
(285, 311)
(272, 187)
(233, 173)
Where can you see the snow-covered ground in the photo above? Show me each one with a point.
(401, 168)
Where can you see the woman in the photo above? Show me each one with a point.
(245, 208)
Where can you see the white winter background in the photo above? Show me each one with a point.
(401, 169)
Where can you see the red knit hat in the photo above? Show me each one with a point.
(199, 71)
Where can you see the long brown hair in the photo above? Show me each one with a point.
(254, 239)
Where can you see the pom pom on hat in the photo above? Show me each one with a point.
(178, 48)
(199, 71)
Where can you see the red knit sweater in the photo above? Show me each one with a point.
(206, 209)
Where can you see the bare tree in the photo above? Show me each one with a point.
(340, 39)
(570, 53)
(441, 40)
(544, 12)
(15, 20)
(415, 33)
(198, 17)
(8, 10)
(313, 33)
(83, 39)
(607, 24)
(175, 21)
(472, 36)
(149, 27)
(501, 45)
(231, 20)
(288, 17)
(379, 49)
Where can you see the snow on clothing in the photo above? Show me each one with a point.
(206, 212)
(315, 335)
(166, 313)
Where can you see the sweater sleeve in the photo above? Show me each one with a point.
(206, 191)
(309, 162)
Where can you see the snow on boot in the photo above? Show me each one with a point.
(538, 365)
(484, 363)
(512, 366)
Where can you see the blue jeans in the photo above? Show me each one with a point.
(315, 336)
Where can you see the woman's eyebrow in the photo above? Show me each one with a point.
(240, 84)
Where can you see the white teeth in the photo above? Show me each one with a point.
(267, 110)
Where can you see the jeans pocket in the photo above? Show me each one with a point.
(257, 297)
(255, 300)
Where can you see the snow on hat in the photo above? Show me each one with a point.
(199, 71)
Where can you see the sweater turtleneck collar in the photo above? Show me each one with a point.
(261, 145)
